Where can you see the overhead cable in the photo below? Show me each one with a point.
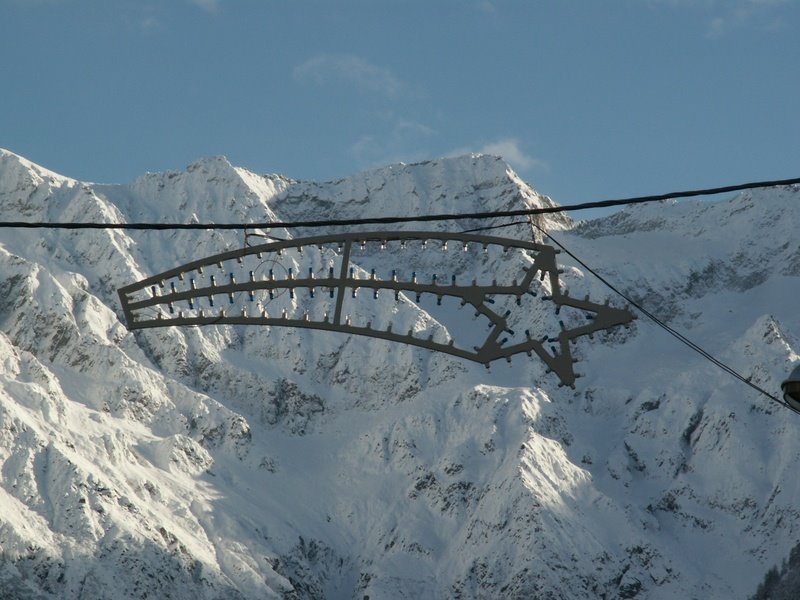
(673, 332)
(401, 219)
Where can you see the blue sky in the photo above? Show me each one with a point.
(587, 99)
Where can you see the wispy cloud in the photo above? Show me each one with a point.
(687, 3)
(326, 68)
(405, 141)
(509, 149)
(149, 24)
(731, 15)
(36, 2)
(207, 5)
(744, 13)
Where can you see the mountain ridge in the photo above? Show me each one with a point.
(241, 462)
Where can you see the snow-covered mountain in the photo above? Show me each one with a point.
(248, 462)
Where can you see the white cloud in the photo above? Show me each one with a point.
(509, 149)
(149, 23)
(689, 3)
(730, 15)
(744, 13)
(326, 68)
(207, 5)
(404, 142)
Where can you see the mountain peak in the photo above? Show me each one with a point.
(211, 164)
(18, 170)
(470, 183)
(476, 169)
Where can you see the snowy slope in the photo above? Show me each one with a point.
(227, 462)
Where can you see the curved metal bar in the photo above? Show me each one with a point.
(135, 299)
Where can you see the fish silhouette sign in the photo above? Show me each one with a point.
(254, 286)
